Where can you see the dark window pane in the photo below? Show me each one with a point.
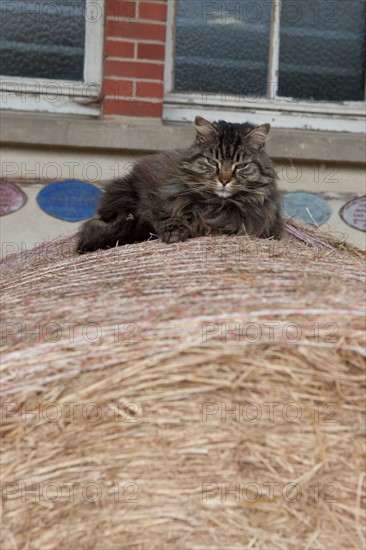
(222, 47)
(322, 50)
(43, 39)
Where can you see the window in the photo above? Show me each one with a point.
(51, 55)
(294, 63)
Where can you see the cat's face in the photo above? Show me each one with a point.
(230, 159)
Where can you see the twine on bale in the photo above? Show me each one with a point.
(200, 395)
(323, 238)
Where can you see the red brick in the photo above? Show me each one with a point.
(152, 10)
(134, 29)
(121, 8)
(151, 51)
(149, 89)
(132, 108)
(134, 70)
(119, 49)
(123, 89)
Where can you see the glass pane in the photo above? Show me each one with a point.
(43, 39)
(222, 47)
(322, 50)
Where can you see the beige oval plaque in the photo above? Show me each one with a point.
(354, 213)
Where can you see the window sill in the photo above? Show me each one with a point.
(147, 135)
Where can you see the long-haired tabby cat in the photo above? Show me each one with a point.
(223, 184)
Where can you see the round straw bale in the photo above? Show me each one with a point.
(199, 395)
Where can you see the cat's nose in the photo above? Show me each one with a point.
(225, 177)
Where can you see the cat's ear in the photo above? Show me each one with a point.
(204, 129)
(258, 136)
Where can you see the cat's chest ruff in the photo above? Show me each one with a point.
(222, 215)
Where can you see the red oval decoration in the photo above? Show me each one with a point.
(354, 213)
(11, 198)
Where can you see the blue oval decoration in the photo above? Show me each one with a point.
(11, 198)
(69, 200)
(306, 207)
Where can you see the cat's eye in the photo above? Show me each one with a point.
(242, 166)
(213, 162)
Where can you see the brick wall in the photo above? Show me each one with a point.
(134, 52)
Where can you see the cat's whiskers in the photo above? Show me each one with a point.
(191, 191)
(253, 191)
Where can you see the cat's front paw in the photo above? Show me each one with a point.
(91, 236)
(175, 235)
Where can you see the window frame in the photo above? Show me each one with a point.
(60, 96)
(281, 112)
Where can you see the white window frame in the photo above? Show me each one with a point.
(344, 116)
(59, 96)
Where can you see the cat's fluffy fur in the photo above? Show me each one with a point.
(225, 183)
